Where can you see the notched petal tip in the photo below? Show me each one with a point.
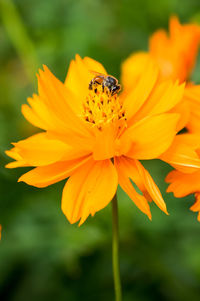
(21, 179)
(8, 152)
(8, 165)
(82, 221)
(45, 67)
(169, 189)
(88, 190)
(77, 56)
(39, 74)
(150, 216)
(11, 165)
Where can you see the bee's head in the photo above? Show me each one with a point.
(115, 89)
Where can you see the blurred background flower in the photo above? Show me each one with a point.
(41, 255)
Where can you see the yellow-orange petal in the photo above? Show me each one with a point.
(94, 65)
(182, 184)
(176, 53)
(191, 140)
(43, 176)
(127, 171)
(14, 154)
(80, 73)
(192, 95)
(38, 114)
(151, 136)
(78, 146)
(187, 39)
(60, 101)
(132, 69)
(183, 109)
(182, 155)
(31, 117)
(167, 56)
(89, 190)
(196, 206)
(136, 97)
(151, 187)
(16, 164)
(104, 143)
(38, 150)
(164, 97)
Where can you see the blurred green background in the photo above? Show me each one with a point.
(42, 256)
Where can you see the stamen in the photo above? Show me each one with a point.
(101, 107)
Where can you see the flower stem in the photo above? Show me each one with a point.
(115, 250)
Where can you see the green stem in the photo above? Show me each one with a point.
(115, 250)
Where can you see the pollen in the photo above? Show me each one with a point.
(101, 107)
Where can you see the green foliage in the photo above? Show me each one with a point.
(42, 256)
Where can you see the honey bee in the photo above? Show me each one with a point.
(107, 81)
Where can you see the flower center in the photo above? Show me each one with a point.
(101, 107)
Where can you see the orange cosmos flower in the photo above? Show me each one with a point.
(175, 55)
(96, 137)
(184, 182)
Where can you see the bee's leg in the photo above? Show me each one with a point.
(90, 85)
(103, 88)
(96, 82)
